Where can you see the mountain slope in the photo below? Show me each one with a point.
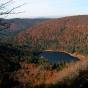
(68, 33)
(17, 25)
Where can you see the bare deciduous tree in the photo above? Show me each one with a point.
(4, 11)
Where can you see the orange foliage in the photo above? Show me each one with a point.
(59, 33)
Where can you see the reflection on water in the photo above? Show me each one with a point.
(58, 57)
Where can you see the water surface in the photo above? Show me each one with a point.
(58, 57)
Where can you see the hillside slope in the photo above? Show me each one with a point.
(16, 26)
(68, 33)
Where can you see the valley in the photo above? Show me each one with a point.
(45, 53)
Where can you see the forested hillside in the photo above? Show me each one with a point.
(66, 34)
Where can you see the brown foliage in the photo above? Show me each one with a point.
(32, 75)
(68, 33)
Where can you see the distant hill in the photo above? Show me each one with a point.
(67, 33)
(18, 25)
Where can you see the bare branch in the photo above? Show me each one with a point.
(4, 11)
(4, 4)
(2, 7)
(8, 12)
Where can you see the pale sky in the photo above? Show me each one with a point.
(50, 8)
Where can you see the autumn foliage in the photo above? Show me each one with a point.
(68, 33)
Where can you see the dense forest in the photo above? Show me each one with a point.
(66, 34)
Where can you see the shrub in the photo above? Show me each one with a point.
(59, 66)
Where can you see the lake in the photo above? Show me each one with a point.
(58, 57)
